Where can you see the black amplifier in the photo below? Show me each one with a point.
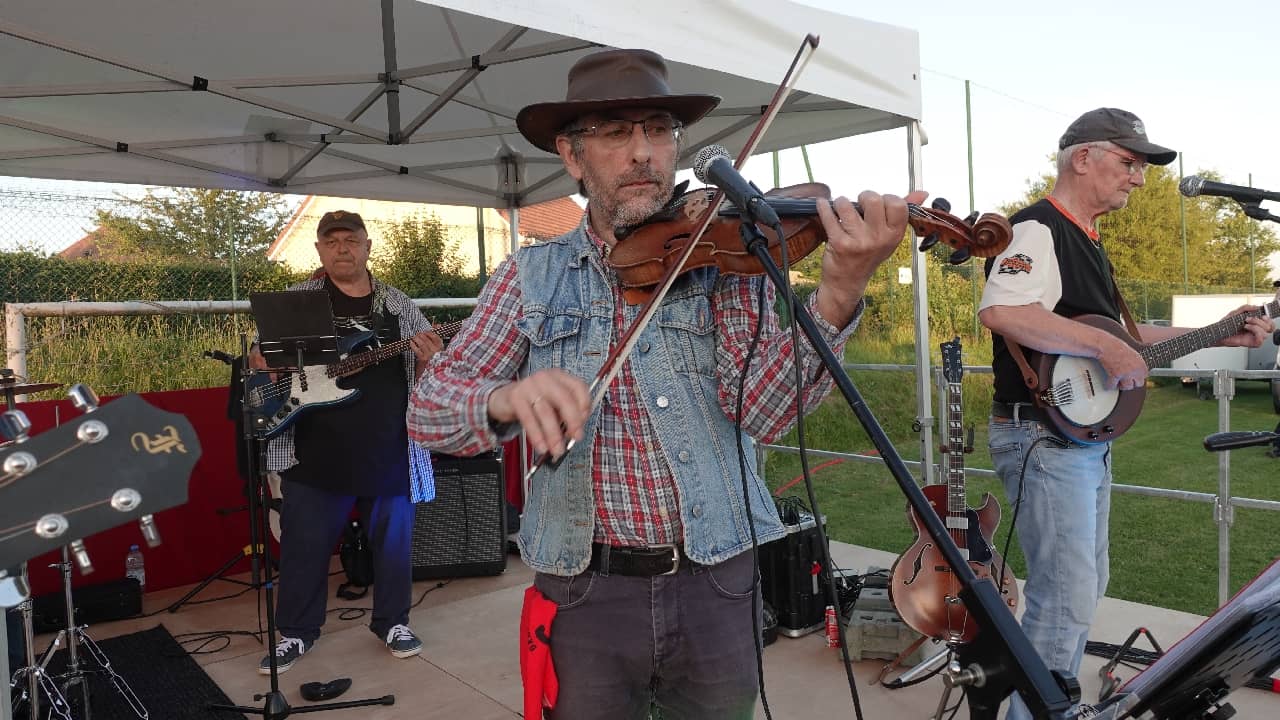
(789, 577)
(462, 532)
(114, 600)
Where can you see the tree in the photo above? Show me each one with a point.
(416, 255)
(195, 224)
(1144, 240)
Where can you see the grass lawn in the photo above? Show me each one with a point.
(1163, 552)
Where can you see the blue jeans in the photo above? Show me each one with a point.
(311, 521)
(1062, 526)
(680, 642)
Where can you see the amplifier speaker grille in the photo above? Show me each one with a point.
(462, 532)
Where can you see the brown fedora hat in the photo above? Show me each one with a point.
(609, 80)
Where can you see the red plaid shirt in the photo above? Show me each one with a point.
(635, 494)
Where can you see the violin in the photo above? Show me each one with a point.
(645, 252)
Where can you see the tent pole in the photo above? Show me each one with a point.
(920, 302)
(391, 82)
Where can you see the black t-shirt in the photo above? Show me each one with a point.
(360, 447)
(1052, 260)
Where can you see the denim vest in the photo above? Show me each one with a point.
(567, 317)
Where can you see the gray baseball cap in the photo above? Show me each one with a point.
(1120, 127)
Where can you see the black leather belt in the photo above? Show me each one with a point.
(1017, 411)
(638, 561)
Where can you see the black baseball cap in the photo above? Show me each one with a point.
(339, 220)
(1120, 127)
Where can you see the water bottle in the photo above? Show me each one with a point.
(133, 566)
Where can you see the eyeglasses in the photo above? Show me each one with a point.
(1132, 164)
(616, 133)
(351, 242)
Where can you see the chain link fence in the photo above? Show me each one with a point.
(51, 255)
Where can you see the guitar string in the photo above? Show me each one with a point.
(17, 530)
(13, 477)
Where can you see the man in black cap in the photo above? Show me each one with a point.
(353, 454)
(1057, 268)
(641, 536)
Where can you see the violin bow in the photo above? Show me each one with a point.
(613, 362)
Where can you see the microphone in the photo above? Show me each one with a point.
(1195, 185)
(713, 166)
(1236, 439)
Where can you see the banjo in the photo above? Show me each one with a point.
(1072, 390)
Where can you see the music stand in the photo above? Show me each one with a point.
(295, 329)
(1239, 642)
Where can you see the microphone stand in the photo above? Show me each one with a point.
(1001, 659)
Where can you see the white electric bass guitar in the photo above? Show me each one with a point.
(283, 400)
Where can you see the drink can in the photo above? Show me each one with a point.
(833, 628)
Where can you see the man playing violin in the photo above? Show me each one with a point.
(1054, 269)
(640, 535)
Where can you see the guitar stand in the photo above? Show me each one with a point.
(274, 705)
(1001, 659)
(31, 681)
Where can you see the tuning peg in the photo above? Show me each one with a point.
(82, 557)
(150, 533)
(941, 204)
(15, 426)
(971, 218)
(83, 397)
(959, 256)
(929, 241)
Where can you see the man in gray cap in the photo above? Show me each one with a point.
(640, 537)
(353, 454)
(1057, 268)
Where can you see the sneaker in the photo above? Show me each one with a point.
(402, 642)
(288, 650)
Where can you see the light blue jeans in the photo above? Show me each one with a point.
(1062, 526)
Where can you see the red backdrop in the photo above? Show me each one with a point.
(206, 532)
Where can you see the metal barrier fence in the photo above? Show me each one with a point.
(160, 362)
(1223, 501)
(17, 348)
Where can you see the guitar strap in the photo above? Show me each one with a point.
(1029, 376)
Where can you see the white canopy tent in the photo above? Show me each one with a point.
(408, 100)
(398, 99)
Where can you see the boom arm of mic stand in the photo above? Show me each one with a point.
(1001, 650)
(1255, 211)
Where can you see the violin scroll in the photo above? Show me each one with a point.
(984, 236)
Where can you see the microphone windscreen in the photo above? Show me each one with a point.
(1190, 186)
(704, 158)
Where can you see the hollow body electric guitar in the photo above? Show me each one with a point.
(922, 587)
(283, 400)
(1072, 390)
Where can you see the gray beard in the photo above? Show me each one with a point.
(619, 215)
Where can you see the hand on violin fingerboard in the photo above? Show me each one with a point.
(856, 245)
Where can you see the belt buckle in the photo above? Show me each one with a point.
(675, 557)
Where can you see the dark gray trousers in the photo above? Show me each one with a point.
(682, 643)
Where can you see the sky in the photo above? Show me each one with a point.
(1199, 76)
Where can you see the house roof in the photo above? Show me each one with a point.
(547, 219)
(85, 247)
